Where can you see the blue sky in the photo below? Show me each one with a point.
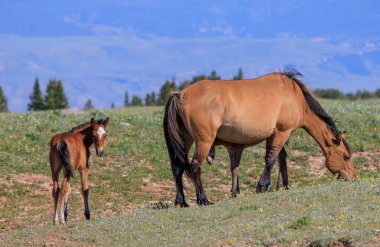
(100, 49)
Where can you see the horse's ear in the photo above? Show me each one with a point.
(93, 122)
(338, 139)
(106, 122)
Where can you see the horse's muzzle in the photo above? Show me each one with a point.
(99, 152)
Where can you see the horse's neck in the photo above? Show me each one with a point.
(319, 131)
(87, 137)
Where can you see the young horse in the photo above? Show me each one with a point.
(71, 151)
(247, 112)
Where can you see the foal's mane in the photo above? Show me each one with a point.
(84, 126)
(314, 104)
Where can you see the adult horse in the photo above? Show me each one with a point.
(71, 151)
(247, 112)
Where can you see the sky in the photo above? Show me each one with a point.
(101, 49)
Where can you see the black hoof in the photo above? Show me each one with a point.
(87, 215)
(203, 202)
(181, 204)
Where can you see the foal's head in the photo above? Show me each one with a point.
(99, 134)
(339, 159)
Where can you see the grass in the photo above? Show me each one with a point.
(135, 170)
(328, 213)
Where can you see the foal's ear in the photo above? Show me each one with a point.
(93, 122)
(106, 122)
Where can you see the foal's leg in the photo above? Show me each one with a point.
(85, 190)
(55, 194)
(235, 153)
(65, 189)
(282, 179)
(274, 145)
(66, 200)
(201, 151)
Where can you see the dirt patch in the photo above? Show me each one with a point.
(372, 160)
(317, 166)
(40, 180)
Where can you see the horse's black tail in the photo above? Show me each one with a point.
(63, 151)
(174, 130)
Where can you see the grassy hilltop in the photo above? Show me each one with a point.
(135, 171)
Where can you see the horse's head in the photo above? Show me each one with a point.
(99, 134)
(339, 158)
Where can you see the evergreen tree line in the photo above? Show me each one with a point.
(53, 99)
(169, 86)
(336, 94)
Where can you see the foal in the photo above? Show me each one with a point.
(71, 151)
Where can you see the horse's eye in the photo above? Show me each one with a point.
(346, 158)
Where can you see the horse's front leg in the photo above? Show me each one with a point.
(274, 145)
(235, 152)
(85, 191)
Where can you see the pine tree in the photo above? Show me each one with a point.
(36, 98)
(136, 101)
(213, 76)
(165, 91)
(184, 84)
(198, 78)
(88, 105)
(3, 101)
(112, 105)
(126, 99)
(55, 97)
(150, 99)
(240, 75)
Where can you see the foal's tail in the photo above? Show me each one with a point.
(174, 130)
(63, 152)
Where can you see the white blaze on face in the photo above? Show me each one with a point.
(101, 132)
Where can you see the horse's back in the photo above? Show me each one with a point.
(243, 111)
(74, 145)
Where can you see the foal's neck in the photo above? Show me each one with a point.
(87, 137)
(318, 129)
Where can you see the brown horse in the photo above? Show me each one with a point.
(247, 112)
(71, 151)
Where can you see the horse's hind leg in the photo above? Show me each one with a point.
(85, 191)
(65, 191)
(235, 152)
(55, 170)
(201, 151)
(55, 194)
(273, 147)
(211, 155)
(178, 174)
(282, 179)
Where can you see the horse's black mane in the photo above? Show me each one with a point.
(314, 104)
(85, 125)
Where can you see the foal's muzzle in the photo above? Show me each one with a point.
(99, 152)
